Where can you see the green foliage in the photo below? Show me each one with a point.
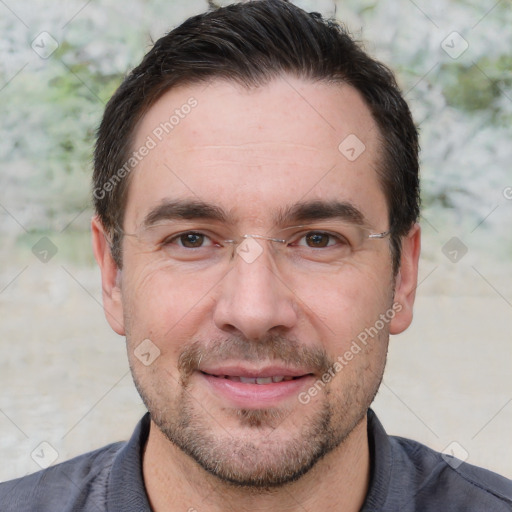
(479, 86)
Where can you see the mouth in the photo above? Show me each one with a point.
(256, 380)
(252, 388)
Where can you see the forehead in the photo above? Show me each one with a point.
(255, 150)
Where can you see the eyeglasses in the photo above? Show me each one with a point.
(192, 243)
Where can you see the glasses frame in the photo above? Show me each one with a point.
(371, 236)
(246, 236)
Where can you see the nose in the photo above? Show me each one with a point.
(253, 298)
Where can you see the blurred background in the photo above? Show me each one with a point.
(65, 386)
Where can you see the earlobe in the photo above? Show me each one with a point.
(110, 277)
(406, 281)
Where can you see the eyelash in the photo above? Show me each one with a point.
(174, 238)
(336, 238)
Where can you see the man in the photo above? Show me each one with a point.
(256, 189)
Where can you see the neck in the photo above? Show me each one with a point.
(175, 482)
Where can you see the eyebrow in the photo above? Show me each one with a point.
(308, 211)
(322, 210)
(183, 210)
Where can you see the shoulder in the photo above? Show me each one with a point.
(77, 484)
(408, 476)
(442, 482)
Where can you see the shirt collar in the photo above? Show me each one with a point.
(380, 465)
(126, 490)
(127, 493)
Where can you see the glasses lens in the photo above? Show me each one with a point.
(329, 242)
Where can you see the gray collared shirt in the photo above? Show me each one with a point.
(406, 476)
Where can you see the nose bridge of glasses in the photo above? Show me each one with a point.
(246, 236)
(264, 237)
(248, 248)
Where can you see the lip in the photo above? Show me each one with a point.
(255, 396)
(251, 372)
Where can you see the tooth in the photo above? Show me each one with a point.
(248, 380)
(234, 379)
(264, 380)
(277, 379)
(287, 378)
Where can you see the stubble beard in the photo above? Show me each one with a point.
(271, 452)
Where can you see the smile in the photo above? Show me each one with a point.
(255, 380)
(252, 388)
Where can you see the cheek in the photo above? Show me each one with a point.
(162, 304)
(341, 306)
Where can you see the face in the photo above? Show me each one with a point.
(254, 357)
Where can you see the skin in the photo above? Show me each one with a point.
(251, 153)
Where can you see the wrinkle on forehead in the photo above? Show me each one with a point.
(254, 155)
(249, 145)
(260, 148)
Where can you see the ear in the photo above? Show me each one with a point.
(406, 281)
(110, 277)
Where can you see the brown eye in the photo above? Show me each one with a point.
(317, 239)
(191, 240)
